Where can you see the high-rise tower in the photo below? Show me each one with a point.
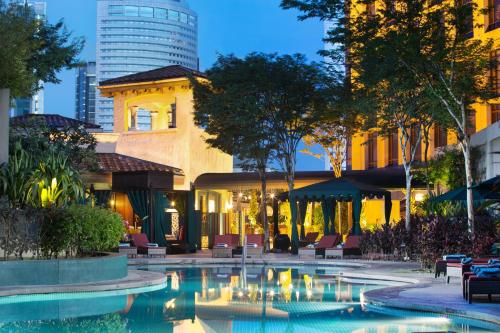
(140, 35)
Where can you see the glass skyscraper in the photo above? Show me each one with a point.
(140, 35)
(85, 93)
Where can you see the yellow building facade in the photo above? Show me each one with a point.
(368, 150)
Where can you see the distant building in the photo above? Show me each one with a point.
(141, 35)
(85, 93)
(34, 104)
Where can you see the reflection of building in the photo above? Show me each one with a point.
(141, 35)
(35, 103)
(85, 93)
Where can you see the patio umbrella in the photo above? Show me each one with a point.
(460, 194)
(490, 185)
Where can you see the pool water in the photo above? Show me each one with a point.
(227, 299)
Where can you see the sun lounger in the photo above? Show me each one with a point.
(225, 245)
(350, 249)
(454, 269)
(145, 247)
(309, 239)
(482, 285)
(255, 246)
(326, 242)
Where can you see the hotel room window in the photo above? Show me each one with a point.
(440, 137)
(372, 150)
(495, 113)
(413, 141)
(495, 72)
(393, 151)
(493, 14)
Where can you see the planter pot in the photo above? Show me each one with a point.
(63, 271)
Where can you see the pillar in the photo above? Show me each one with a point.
(4, 125)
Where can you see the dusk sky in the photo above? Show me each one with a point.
(225, 26)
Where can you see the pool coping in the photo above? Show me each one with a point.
(135, 279)
(379, 297)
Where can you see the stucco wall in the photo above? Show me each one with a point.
(181, 147)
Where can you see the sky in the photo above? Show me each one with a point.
(225, 26)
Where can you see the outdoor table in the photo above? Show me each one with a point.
(334, 252)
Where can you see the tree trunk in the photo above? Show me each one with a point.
(408, 198)
(426, 161)
(263, 207)
(4, 125)
(468, 183)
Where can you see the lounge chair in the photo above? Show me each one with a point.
(145, 247)
(255, 246)
(225, 245)
(351, 246)
(309, 239)
(485, 280)
(350, 249)
(454, 269)
(440, 265)
(326, 242)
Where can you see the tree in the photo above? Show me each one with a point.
(298, 101)
(432, 44)
(233, 107)
(32, 51)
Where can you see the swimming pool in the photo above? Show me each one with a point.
(227, 299)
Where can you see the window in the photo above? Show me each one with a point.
(466, 21)
(146, 11)
(192, 20)
(115, 10)
(161, 13)
(370, 9)
(372, 150)
(471, 123)
(495, 72)
(131, 11)
(495, 113)
(393, 151)
(440, 137)
(184, 18)
(173, 15)
(349, 154)
(494, 14)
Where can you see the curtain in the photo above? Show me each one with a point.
(326, 216)
(356, 214)
(162, 219)
(333, 210)
(191, 236)
(293, 222)
(302, 217)
(276, 217)
(140, 204)
(388, 208)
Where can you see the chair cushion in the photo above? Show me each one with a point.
(255, 239)
(454, 256)
(352, 242)
(140, 240)
(328, 241)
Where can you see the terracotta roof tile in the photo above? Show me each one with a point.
(112, 162)
(52, 120)
(164, 73)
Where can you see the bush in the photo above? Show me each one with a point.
(79, 230)
(431, 237)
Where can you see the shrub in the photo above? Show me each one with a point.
(79, 230)
(431, 237)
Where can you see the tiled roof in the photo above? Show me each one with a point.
(52, 120)
(112, 162)
(164, 73)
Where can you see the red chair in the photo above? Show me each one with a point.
(309, 239)
(324, 243)
(255, 245)
(351, 246)
(225, 245)
(142, 243)
(476, 285)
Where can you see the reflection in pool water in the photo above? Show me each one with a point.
(226, 299)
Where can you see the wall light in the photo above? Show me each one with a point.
(419, 197)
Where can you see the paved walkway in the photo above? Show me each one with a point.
(135, 279)
(422, 292)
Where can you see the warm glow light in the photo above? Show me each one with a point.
(211, 206)
(240, 294)
(419, 197)
(172, 204)
(272, 195)
(240, 194)
(112, 202)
